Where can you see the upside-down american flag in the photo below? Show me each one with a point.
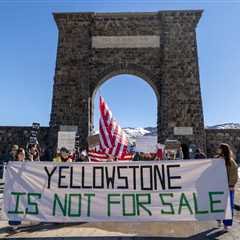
(113, 139)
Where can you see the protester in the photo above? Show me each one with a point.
(153, 156)
(141, 156)
(199, 154)
(110, 158)
(45, 154)
(3, 154)
(225, 152)
(170, 155)
(11, 156)
(20, 156)
(136, 157)
(64, 156)
(83, 156)
(160, 152)
(33, 152)
(179, 154)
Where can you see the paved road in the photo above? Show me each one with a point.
(119, 231)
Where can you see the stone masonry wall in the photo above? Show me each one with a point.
(216, 136)
(170, 68)
(20, 136)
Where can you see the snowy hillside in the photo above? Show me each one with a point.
(137, 132)
(152, 131)
(226, 126)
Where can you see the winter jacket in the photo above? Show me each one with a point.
(59, 159)
(232, 173)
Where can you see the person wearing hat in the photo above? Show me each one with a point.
(64, 156)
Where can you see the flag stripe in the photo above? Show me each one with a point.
(100, 156)
(105, 133)
(103, 139)
(113, 139)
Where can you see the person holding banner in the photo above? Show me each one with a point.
(136, 157)
(225, 152)
(64, 156)
(199, 154)
(83, 156)
(20, 156)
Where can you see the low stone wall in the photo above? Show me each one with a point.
(20, 136)
(216, 136)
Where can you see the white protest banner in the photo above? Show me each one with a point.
(93, 141)
(146, 144)
(188, 190)
(66, 139)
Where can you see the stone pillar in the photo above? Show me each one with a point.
(181, 104)
(173, 66)
(70, 104)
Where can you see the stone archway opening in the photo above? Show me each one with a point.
(131, 98)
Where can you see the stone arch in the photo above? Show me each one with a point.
(160, 47)
(119, 69)
(131, 69)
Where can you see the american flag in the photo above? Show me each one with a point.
(113, 139)
(100, 156)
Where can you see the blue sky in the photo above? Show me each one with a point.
(28, 42)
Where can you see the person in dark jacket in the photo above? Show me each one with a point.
(45, 154)
(20, 156)
(199, 154)
(136, 157)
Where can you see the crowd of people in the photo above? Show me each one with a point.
(34, 153)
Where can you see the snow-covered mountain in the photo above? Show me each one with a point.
(152, 131)
(226, 126)
(136, 132)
